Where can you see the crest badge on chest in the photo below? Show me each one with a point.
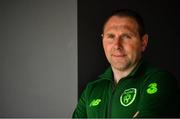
(128, 96)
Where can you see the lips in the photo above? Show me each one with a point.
(118, 55)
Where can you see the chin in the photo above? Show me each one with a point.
(121, 65)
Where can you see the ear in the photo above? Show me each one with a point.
(144, 42)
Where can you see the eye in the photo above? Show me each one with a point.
(125, 36)
(110, 36)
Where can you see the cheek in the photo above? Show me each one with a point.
(107, 48)
(133, 49)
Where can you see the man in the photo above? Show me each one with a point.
(130, 87)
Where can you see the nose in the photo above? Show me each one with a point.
(118, 43)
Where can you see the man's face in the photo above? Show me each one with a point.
(122, 43)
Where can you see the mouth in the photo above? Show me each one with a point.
(118, 55)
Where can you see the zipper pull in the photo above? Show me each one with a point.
(136, 114)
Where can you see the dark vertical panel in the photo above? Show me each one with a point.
(162, 22)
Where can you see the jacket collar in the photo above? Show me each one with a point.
(108, 74)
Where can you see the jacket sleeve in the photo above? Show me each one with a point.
(158, 96)
(80, 111)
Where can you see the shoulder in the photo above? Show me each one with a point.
(159, 75)
(162, 79)
(155, 74)
(100, 84)
(97, 84)
(102, 80)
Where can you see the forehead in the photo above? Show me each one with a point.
(120, 23)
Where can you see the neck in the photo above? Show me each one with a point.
(119, 74)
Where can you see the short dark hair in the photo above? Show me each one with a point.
(131, 14)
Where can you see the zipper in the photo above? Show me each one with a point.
(113, 86)
(111, 98)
